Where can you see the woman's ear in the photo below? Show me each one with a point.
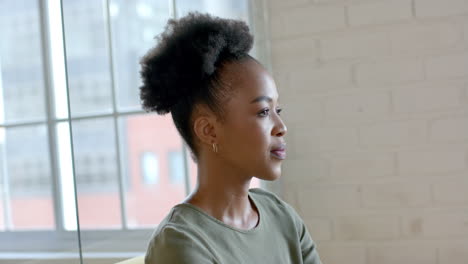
(205, 128)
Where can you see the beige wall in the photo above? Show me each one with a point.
(375, 94)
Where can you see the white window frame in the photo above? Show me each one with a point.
(133, 241)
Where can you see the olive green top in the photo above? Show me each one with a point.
(189, 235)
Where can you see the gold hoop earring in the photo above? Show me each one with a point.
(215, 148)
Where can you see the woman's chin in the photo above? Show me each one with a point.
(273, 175)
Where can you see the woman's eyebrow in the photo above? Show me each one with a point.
(261, 98)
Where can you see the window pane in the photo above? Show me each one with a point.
(87, 56)
(96, 173)
(150, 168)
(192, 169)
(3, 192)
(2, 215)
(148, 202)
(236, 9)
(176, 167)
(66, 181)
(28, 177)
(134, 26)
(21, 74)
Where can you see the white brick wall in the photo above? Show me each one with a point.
(412, 254)
(378, 12)
(438, 8)
(428, 38)
(366, 227)
(375, 96)
(455, 253)
(447, 66)
(350, 254)
(401, 194)
(354, 44)
(310, 19)
(389, 71)
(451, 191)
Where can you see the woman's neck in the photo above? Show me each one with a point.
(224, 194)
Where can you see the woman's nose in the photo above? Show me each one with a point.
(280, 128)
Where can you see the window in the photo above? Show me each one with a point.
(150, 168)
(176, 167)
(24, 143)
(74, 142)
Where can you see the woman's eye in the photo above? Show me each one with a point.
(264, 112)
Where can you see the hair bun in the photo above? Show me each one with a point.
(187, 55)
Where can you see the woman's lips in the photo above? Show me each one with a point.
(279, 153)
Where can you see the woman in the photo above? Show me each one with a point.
(225, 106)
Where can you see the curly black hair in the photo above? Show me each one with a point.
(183, 69)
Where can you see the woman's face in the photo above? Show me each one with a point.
(251, 137)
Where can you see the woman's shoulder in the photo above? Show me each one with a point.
(267, 197)
(275, 204)
(264, 193)
(179, 219)
(173, 245)
(174, 241)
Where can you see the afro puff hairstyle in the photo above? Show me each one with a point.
(182, 70)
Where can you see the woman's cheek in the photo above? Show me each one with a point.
(261, 135)
(253, 132)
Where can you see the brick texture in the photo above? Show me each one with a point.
(376, 102)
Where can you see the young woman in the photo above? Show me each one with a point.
(224, 104)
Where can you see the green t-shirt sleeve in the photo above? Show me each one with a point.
(174, 246)
(308, 247)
